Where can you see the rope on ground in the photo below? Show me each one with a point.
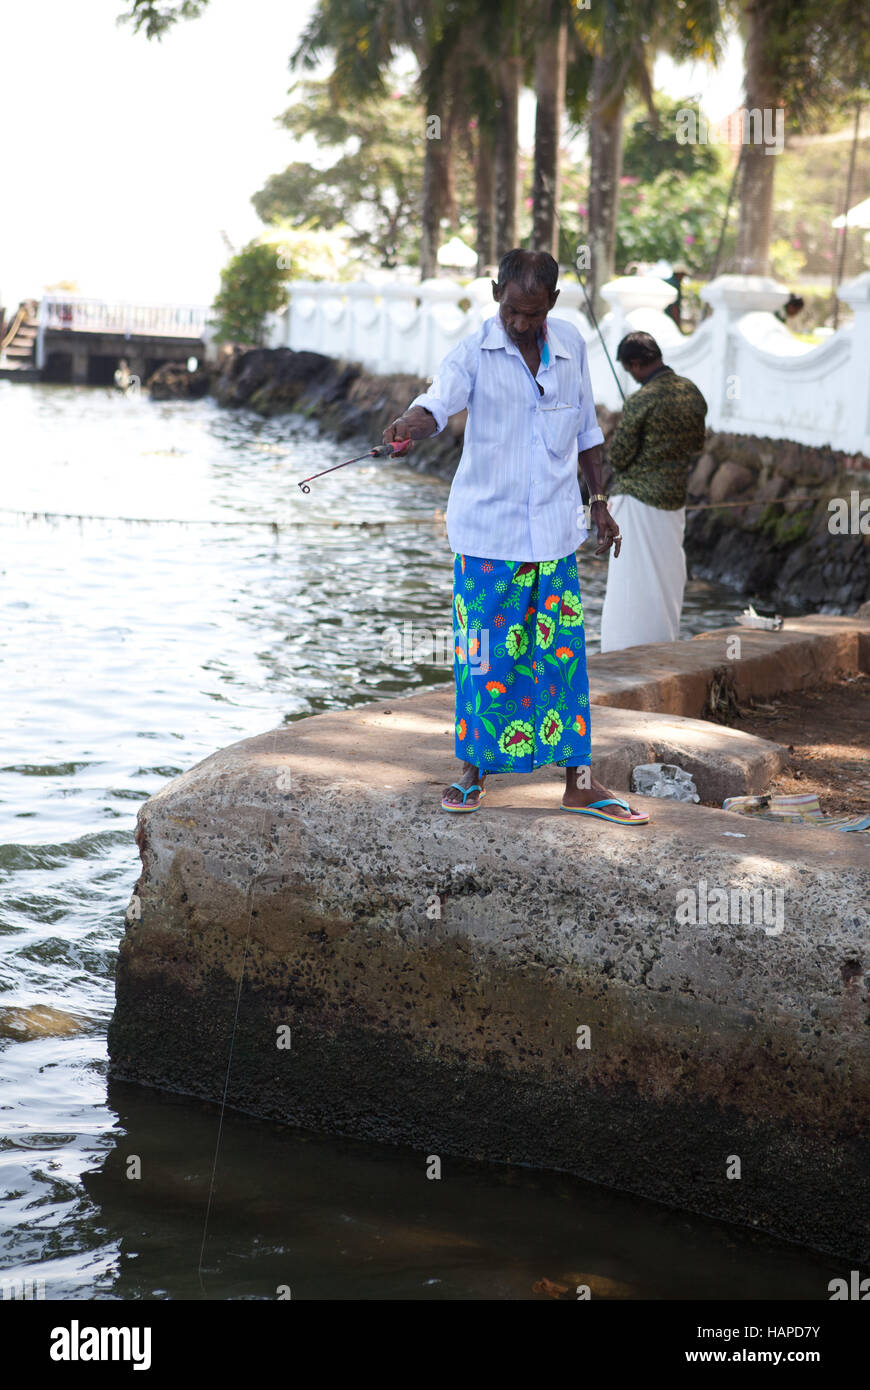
(388, 521)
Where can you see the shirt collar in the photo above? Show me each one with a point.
(658, 371)
(495, 337)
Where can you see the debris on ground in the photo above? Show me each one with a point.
(827, 733)
(793, 810)
(663, 779)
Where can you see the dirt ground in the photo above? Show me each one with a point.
(827, 733)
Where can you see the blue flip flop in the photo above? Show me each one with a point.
(466, 792)
(594, 809)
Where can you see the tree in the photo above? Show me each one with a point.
(672, 196)
(470, 56)
(649, 147)
(625, 36)
(362, 40)
(758, 161)
(551, 54)
(676, 217)
(473, 73)
(253, 284)
(807, 57)
(157, 17)
(369, 178)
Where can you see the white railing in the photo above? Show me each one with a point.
(756, 376)
(75, 314)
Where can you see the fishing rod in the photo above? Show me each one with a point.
(380, 451)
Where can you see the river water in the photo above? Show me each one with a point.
(129, 651)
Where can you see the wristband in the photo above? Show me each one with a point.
(599, 497)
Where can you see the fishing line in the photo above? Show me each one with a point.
(278, 526)
(591, 313)
(393, 450)
(212, 521)
(252, 883)
(582, 283)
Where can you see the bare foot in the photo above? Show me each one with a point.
(470, 776)
(577, 795)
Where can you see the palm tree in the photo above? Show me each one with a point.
(363, 39)
(625, 36)
(757, 168)
(550, 65)
(810, 57)
(481, 44)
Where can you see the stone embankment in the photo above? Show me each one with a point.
(777, 536)
(521, 984)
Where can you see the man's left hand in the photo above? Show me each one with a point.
(608, 531)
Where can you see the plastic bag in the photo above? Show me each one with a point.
(664, 779)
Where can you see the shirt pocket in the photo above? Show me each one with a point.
(560, 426)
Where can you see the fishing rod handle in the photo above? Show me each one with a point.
(394, 450)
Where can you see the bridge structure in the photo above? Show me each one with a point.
(73, 339)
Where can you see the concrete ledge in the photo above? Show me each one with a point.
(419, 730)
(434, 969)
(675, 677)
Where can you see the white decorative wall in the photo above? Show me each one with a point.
(756, 376)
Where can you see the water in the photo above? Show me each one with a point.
(128, 653)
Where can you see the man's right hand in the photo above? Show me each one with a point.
(416, 423)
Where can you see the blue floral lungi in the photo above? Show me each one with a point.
(522, 692)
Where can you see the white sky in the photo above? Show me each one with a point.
(124, 159)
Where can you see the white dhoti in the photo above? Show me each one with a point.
(645, 584)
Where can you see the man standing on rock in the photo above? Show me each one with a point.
(656, 442)
(515, 520)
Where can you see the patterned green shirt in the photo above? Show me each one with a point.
(657, 440)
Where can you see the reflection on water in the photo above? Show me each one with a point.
(128, 653)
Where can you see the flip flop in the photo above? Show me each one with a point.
(466, 792)
(593, 809)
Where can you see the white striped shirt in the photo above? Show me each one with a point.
(516, 495)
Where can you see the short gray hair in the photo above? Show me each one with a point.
(531, 269)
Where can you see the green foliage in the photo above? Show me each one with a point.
(675, 217)
(785, 261)
(252, 285)
(157, 18)
(369, 178)
(782, 529)
(820, 51)
(312, 254)
(651, 149)
(810, 189)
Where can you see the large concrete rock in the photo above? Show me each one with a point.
(436, 973)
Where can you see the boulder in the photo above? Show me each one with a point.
(173, 381)
(277, 377)
(729, 480)
(699, 478)
(772, 488)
